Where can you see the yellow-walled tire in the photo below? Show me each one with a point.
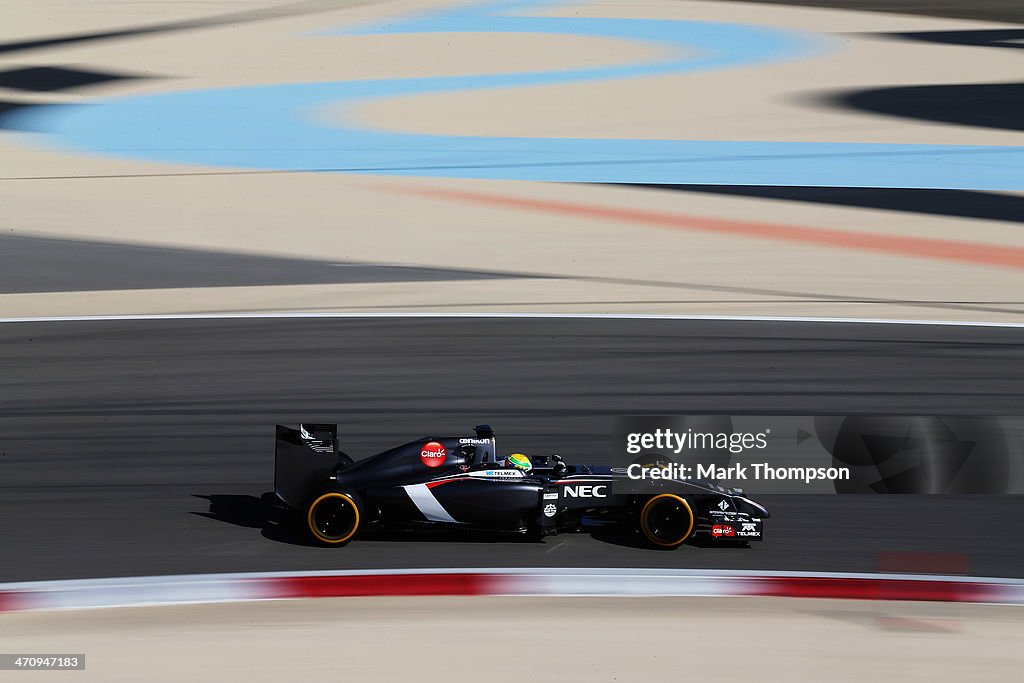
(334, 517)
(667, 520)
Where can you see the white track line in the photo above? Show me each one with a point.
(553, 316)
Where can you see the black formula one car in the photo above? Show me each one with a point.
(460, 483)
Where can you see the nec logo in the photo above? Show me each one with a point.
(586, 491)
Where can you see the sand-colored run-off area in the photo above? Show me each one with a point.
(546, 639)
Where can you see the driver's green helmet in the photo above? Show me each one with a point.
(521, 461)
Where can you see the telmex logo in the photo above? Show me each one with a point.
(586, 491)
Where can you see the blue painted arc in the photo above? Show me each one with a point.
(281, 127)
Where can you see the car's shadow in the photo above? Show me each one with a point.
(617, 534)
(254, 512)
(628, 537)
(278, 523)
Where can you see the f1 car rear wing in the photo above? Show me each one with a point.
(303, 458)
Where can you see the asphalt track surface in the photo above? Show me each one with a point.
(144, 447)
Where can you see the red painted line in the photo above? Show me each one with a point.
(918, 247)
(11, 601)
(381, 585)
(874, 589)
(432, 484)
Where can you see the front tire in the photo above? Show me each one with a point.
(667, 520)
(334, 517)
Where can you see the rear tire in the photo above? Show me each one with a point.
(667, 520)
(334, 517)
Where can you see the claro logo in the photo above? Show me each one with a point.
(433, 454)
(586, 491)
